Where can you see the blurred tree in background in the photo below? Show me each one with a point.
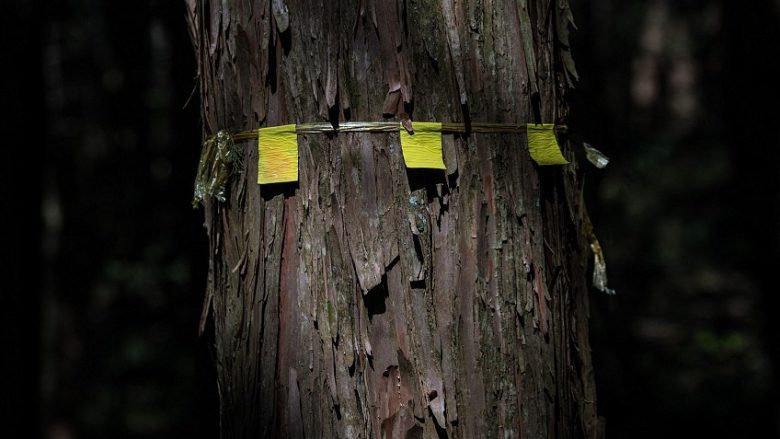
(121, 274)
(100, 313)
(677, 93)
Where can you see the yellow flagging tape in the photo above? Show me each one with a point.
(277, 154)
(422, 148)
(543, 145)
(278, 145)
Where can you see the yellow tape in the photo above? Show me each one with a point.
(277, 149)
(423, 148)
(543, 146)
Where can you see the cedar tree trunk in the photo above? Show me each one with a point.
(368, 300)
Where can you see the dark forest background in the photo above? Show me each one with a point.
(104, 260)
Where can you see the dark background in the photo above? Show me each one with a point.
(104, 260)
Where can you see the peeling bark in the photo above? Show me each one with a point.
(369, 300)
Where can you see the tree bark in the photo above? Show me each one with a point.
(369, 300)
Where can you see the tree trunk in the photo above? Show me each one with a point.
(368, 300)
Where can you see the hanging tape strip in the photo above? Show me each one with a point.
(277, 154)
(543, 145)
(422, 147)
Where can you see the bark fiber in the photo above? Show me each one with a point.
(369, 300)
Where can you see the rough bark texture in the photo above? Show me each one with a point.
(369, 300)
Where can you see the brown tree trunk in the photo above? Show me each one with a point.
(369, 300)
